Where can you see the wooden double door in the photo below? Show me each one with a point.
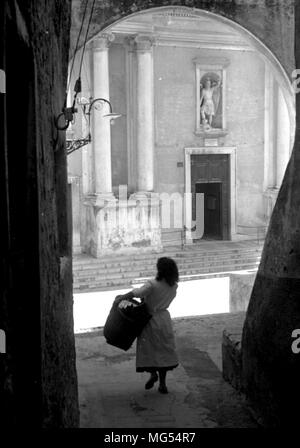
(210, 176)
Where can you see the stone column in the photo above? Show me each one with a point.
(145, 138)
(87, 156)
(98, 220)
(283, 137)
(101, 125)
(131, 101)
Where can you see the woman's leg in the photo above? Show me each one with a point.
(153, 378)
(162, 381)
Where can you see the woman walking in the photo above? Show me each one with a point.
(155, 351)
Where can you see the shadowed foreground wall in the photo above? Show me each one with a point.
(38, 382)
(271, 370)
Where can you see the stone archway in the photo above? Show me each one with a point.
(269, 28)
(271, 369)
(49, 314)
(272, 23)
(276, 83)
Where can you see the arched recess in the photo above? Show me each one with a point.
(272, 64)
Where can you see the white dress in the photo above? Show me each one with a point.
(156, 344)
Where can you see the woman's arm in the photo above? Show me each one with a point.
(128, 296)
(125, 300)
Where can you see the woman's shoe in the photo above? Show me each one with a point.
(150, 383)
(162, 389)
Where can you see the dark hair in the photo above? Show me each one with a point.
(167, 270)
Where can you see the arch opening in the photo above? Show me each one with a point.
(151, 65)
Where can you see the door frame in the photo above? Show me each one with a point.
(204, 150)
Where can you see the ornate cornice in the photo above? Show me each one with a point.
(165, 36)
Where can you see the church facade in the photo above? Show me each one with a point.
(202, 143)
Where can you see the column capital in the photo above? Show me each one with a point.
(144, 42)
(129, 41)
(103, 41)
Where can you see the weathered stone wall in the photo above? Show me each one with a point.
(271, 369)
(39, 382)
(175, 110)
(272, 21)
(241, 284)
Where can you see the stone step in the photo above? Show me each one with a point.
(181, 257)
(175, 252)
(196, 261)
(126, 282)
(92, 276)
(193, 264)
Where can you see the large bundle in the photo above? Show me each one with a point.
(123, 325)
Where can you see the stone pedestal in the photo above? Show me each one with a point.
(121, 226)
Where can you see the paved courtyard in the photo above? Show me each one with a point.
(112, 395)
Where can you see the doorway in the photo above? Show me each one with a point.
(210, 175)
(212, 209)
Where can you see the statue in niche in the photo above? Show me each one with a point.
(210, 98)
